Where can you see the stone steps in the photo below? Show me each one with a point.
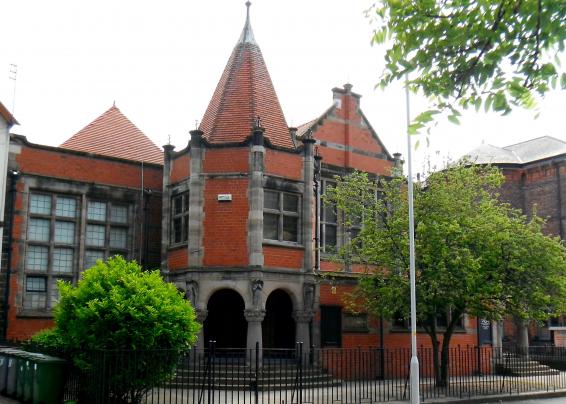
(239, 377)
(517, 365)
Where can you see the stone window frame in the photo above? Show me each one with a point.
(182, 216)
(282, 213)
(49, 275)
(109, 223)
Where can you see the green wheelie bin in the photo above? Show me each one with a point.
(48, 380)
(7, 372)
(12, 372)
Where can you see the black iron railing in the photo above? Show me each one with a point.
(308, 375)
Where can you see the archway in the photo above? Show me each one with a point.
(278, 324)
(225, 322)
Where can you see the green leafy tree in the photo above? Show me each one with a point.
(462, 53)
(121, 316)
(474, 254)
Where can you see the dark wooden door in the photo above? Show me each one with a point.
(331, 326)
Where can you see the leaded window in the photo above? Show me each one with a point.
(281, 216)
(106, 231)
(179, 218)
(328, 221)
(53, 242)
(52, 246)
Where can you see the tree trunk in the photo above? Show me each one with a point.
(445, 359)
(435, 352)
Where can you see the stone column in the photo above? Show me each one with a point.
(308, 203)
(196, 200)
(165, 208)
(201, 316)
(254, 318)
(303, 320)
(255, 199)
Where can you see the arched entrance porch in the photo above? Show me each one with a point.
(279, 325)
(225, 322)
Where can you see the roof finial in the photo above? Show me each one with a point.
(247, 34)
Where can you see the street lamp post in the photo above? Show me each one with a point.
(414, 367)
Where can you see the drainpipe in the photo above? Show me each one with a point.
(317, 164)
(13, 181)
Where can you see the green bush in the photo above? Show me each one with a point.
(121, 316)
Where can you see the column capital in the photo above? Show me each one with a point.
(254, 315)
(303, 316)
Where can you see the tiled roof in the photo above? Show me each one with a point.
(244, 93)
(114, 135)
(520, 153)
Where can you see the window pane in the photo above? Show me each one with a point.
(186, 201)
(270, 226)
(36, 258)
(66, 207)
(118, 237)
(271, 200)
(290, 203)
(96, 210)
(178, 204)
(329, 213)
(64, 232)
(119, 214)
(91, 256)
(290, 231)
(35, 284)
(34, 300)
(329, 237)
(40, 204)
(178, 230)
(63, 260)
(95, 235)
(38, 230)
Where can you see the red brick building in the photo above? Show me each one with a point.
(535, 178)
(231, 218)
(97, 195)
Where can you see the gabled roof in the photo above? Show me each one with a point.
(520, 153)
(114, 135)
(244, 93)
(7, 116)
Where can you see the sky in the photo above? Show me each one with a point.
(160, 63)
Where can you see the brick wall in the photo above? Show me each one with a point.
(225, 223)
(180, 168)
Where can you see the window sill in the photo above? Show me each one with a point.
(27, 313)
(286, 244)
(177, 246)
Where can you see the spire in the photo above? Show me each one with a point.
(244, 92)
(247, 33)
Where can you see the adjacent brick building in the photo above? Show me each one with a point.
(231, 218)
(535, 181)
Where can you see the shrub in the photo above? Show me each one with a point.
(120, 315)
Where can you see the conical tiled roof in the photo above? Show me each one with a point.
(244, 93)
(114, 135)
